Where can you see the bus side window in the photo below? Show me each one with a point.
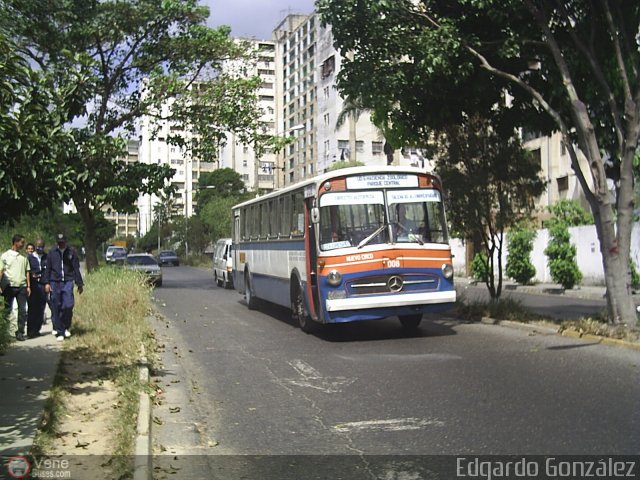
(274, 219)
(297, 217)
(285, 224)
(264, 220)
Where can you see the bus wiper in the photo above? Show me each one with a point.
(371, 237)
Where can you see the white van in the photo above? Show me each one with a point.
(223, 263)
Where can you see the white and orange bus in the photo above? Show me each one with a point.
(359, 243)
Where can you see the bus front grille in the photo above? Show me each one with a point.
(380, 284)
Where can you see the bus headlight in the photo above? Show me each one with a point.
(447, 271)
(334, 278)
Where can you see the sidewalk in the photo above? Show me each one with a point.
(27, 371)
(586, 292)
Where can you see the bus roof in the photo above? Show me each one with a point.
(333, 174)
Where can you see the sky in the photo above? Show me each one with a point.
(254, 18)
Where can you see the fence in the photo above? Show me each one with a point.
(588, 255)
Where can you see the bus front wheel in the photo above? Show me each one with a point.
(410, 322)
(252, 301)
(298, 312)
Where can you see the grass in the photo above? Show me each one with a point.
(501, 309)
(6, 336)
(109, 328)
(197, 260)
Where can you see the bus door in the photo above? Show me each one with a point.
(311, 224)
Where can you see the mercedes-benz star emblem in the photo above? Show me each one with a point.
(395, 283)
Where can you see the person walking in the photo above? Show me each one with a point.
(62, 271)
(38, 298)
(14, 267)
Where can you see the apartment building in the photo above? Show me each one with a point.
(555, 164)
(127, 224)
(295, 39)
(154, 149)
(258, 173)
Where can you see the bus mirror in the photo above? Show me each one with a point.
(315, 214)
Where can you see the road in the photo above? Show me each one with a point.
(240, 382)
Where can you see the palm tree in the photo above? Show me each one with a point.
(352, 109)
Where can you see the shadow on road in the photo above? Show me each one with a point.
(367, 330)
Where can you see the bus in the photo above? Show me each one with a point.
(360, 243)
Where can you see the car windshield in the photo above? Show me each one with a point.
(417, 216)
(141, 261)
(168, 254)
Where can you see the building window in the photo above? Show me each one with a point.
(563, 183)
(359, 146)
(244, 162)
(376, 148)
(326, 119)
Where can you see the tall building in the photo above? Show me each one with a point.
(126, 223)
(258, 173)
(296, 52)
(154, 149)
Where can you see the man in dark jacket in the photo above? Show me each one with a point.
(61, 272)
(38, 299)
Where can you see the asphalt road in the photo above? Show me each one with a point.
(240, 382)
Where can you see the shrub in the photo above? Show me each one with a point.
(635, 277)
(519, 266)
(562, 256)
(480, 267)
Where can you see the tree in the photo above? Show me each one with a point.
(572, 66)
(32, 112)
(138, 56)
(490, 183)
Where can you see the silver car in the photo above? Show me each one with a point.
(147, 264)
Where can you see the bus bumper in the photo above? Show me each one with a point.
(384, 301)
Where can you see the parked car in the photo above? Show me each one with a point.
(168, 257)
(223, 263)
(115, 254)
(147, 264)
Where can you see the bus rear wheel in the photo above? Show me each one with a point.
(252, 301)
(410, 322)
(298, 312)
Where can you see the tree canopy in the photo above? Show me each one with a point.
(135, 57)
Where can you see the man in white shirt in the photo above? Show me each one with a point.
(16, 284)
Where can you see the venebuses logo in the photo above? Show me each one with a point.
(18, 467)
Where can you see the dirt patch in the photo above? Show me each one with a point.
(84, 431)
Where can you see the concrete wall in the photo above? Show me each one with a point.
(588, 254)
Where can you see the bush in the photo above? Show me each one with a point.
(519, 266)
(635, 277)
(480, 267)
(562, 256)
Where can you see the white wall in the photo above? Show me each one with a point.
(588, 254)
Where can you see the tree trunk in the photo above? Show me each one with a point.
(615, 258)
(90, 243)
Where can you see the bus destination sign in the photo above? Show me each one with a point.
(382, 180)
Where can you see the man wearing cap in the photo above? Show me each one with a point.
(62, 270)
(15, 282)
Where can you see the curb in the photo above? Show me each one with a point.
(588, 337)
(143, 460)
(520, 326)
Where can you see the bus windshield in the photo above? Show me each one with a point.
(348, 219)
(417, 216)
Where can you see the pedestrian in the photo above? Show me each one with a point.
(38, 298)
(14, 267)
(62, 271)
